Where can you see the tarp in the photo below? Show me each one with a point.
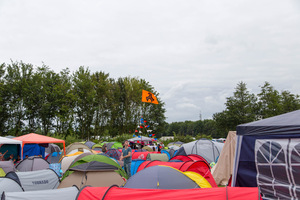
(33, 150)
(33, 138)
(69, 193)
(267, 156)
(222, 171)
(115, 193)
(36, 180)
(9, 185)
(160, 177)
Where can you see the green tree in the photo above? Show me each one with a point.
(240, 108)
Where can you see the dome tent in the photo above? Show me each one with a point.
(9, 185)
(36, 180)
(32, 164)
(160, 177)
(203, 147)
(94, 170)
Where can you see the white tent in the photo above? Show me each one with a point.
(4, 140)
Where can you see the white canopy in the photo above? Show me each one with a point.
(141, 138)
(4, 140)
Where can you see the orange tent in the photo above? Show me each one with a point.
(33, 138)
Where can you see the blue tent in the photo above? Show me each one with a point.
(268, 156)
(135, 165)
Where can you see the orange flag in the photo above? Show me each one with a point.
(149, 97)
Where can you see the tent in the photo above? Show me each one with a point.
(7, 166)
(57, 194)
(267, 156)
(68, 160)
(32, 164)
(116, 193)
(147, 148)
(114, 145)
(160, 157)
(209, 150)
(135, 165)
(10, 145)
(222, 171)
(160, 177)
(178, 143)
(142, 155)
(113, 153)
(54, 153)
(89, 144)
(199, 167)
(76, 147)
(97, 147)
(140, 139)
(191, 157)
(94, 170)
(33, 138)
(35, 180)
(2, 172)
(9, 185)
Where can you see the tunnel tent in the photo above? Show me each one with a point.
(271, 144)
(9, 185)
(69, 193)
(117, 193)
(7, 166)
(160, 157)
(41, 140)
(36, 180)
(160, 177)
(12, 146)
(32, 163)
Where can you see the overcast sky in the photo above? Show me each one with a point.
(194, 52)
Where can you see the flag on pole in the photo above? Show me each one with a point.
(149, 97)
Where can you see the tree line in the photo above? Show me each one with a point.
(39, 100)
(242, 107)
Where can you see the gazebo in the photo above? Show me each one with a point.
(33, 138)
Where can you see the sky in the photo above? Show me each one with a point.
(193, 52)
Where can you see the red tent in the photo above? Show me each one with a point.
(33, 138)
(116, 193)
(199, 167)
(190, 157)
(142, 155)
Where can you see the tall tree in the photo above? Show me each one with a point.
(240, 108)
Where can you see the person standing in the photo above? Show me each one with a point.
(126, 156)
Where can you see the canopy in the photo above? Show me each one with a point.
(33, 138)
(141, 138)
(4, 140)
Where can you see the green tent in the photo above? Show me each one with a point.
(93, 162)
(2, 173)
